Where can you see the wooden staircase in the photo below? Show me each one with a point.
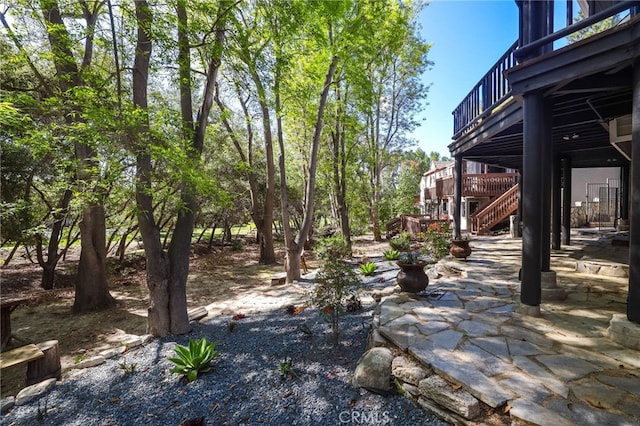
(496, 212)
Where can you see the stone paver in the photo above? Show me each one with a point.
(537, 414)
(564, 367)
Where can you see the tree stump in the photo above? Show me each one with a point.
(47, 367)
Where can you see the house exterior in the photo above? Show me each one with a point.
(482, 185)
(548, 107)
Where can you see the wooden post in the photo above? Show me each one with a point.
(457, 197)
(532, 182)
(556, 228)
(633, 300)
(566, 201)
(47, 367)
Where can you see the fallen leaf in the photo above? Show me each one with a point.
(114, 400)
(287, 394)
(237, 317)
(299, 309)
(214, 408)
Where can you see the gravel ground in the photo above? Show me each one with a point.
(245, 386)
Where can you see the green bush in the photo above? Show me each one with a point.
(332, 248)
(438, 237)
(194, 359)
(336, 283)
(368, 268)
(401, 242)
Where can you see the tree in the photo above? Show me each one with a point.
(390, 94)
(167, 271)
(68, 99)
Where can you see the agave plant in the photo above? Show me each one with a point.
(391, 254)
(367, 268)
(195, 358)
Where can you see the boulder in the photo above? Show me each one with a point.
(374, 371)
(32, 392)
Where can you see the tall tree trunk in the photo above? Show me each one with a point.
(158, 321)
(93, 264)
(92, 256)
(294, 250)
(167, 272)
(340, 168)
(265, 237)
(49, 264)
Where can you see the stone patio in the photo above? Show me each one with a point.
(559, 368)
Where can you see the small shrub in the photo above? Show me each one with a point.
(127, 368)
(401, 242)
(236, 245)
(285, 367)
(391, 254)
(410, 258)
(332, 248)
(368, 268)
(336, 283)
(195, 358)
(437, 237)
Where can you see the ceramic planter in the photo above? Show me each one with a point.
(460, 249)
(412, 278)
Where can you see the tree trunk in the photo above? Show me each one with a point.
(47, 367)
(91, 282)
(92, 290)
(267, 252)
(294, 250)
(340, 169)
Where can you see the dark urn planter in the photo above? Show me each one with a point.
(412, 278)
(460, 249)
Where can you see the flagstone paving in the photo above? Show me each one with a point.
(559, 368)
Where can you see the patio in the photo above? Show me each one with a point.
(559, 368)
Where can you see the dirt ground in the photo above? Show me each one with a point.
(214, 276)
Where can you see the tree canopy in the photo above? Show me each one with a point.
(145, 120)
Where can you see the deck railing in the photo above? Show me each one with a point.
(493, 87)
(474, 185)
(490, 91)
(482, 221)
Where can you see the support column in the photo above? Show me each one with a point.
(457, 196)
(532, 180)
(633, 301)
(547, 161)
(519, 233)
(623, 223)
(555, 204)
(566, 201)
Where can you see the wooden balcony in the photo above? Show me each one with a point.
(474, 185)
(593, 71)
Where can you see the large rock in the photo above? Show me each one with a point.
(32, 392)
(374, 371)
(457, 400)
(407, 370)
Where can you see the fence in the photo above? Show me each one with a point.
(602, 206)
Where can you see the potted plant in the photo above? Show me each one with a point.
(460, 248)
(411, 278)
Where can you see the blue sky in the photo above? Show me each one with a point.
(468, 37)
